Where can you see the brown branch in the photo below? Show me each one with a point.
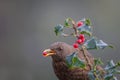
(83, 48)
(85, 56)
(88, 61)
(75, 28)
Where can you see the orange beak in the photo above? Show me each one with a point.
(48, 52)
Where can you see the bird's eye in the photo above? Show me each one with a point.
(59, 49)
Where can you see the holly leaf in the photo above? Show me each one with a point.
(110, 65)
(85, 29)
(111, 69)
(114, 78)
(69, 59)
(117, 71)
(66, 23)
(108, 77)
(88, 22)
(94, 43)
(97, 61)
(91, 75)
(74, 61)
(77, 62)
(101, 44)
(58, 29)
(91, 44)
(118, 63)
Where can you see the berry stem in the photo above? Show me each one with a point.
(87, 59)
(75, 28)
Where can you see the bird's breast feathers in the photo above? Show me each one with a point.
(64, 73)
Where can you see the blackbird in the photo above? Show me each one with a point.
(58, 51)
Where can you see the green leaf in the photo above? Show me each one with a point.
(88, 22)
(91, 44)
(66, 23)
(74, 61)
(117, 71)
(114, 78)
(110, 65)
(91, 75)
(78, 62)
(85, 29)
(69, 59)
(111, 69)
(94, 43)
(102, 44)
(118, 63)
(108, 77)
(111, 46)
(97, 61)
(58, 29)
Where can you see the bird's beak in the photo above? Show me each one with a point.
(48, 52)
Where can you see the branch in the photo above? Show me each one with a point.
(75, 28)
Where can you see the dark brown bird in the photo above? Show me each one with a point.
(58, 51)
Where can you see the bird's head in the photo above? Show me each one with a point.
(58, 51)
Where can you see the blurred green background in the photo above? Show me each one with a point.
(26, 29)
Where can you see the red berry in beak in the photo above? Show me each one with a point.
(44, 53)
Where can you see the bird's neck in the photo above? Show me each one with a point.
(57, 59)
(59, 66)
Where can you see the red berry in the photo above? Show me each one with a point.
(75, 45)
(83, 40)
(44, 53)
(79, 24)
(81, 36)
(79, 41)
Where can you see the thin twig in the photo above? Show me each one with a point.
(75, 28)
(85, 56)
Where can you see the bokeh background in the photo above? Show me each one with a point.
(26, 29)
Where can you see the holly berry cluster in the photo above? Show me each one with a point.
(81, 37)
(79, 41)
